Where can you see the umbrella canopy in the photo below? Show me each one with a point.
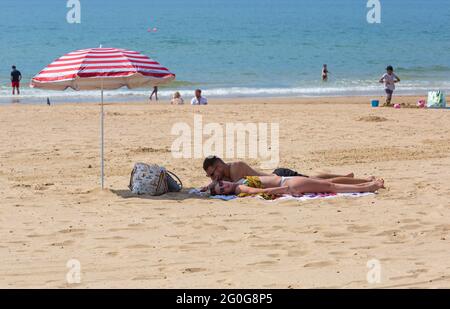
(102, 68)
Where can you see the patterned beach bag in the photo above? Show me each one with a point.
(436, 99)
(153, 179)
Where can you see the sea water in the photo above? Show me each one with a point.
(237, 48)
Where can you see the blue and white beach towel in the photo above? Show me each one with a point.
(285, 197)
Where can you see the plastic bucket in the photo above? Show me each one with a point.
(375, 103)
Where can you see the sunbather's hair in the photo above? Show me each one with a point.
(212, 187)
(210, 161)
(389, 68)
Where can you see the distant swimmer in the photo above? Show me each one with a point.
(16, 77)
(325, 73)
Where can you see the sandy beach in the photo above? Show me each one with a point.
(52, 209)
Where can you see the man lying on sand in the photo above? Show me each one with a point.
(271, 186)
(217, 169)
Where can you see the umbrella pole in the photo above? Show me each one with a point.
(102, 143)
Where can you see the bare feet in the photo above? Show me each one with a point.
(379, 183)
(371, 178)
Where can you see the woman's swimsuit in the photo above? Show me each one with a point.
(284, 179)
(254, 182)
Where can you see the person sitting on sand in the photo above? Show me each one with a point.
(271, 186)
(389, 79)
(177, 99)
(217, 169)
(198, 99)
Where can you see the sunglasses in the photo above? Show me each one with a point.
(221, 188)
(212, 173)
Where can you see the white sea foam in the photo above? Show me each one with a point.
(337, 89)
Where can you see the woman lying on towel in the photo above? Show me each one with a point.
(271, 186)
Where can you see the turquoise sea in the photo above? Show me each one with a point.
(237, 48)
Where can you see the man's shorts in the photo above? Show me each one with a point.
(389, 91)
(285, 172)
(15, 84)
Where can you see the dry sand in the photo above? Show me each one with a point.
(52, 210)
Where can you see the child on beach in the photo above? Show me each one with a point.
(177, 99)
(389, 79)
(325, 73)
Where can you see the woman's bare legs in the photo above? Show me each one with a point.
(329, 176)
(362, 187)
(306, 185)
(350, 180)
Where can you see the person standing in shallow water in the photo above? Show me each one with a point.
(16, 77)
(325, 73)
(155, 92)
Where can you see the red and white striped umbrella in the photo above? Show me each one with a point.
(102, 68)
(107, 68)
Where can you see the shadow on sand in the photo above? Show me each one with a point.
(171, 196)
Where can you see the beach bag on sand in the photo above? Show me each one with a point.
(153, 179)
(436, 99)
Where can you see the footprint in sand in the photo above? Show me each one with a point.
(269, 246)
(335, 234)
(237, 220)
(179, 223)
(70, 230)
(411, 226)
(294, 253)
(273, 255)
(340, 253)
(319, 264)
(110, 238)
(262, 263)
(228, 241)
(139, 246)
(193, 270)
(135, 225)
(359, 228)
(64, 243)
(201, 243)
(148, 277)
(38, 235)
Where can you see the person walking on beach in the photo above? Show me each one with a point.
(198, 99)
(325, 73)
(16, 77)
(389, 79)
(155, 92)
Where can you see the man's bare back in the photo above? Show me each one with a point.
(239, 170)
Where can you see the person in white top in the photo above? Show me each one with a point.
(177, 99)
(389, 79)
(198, 99)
